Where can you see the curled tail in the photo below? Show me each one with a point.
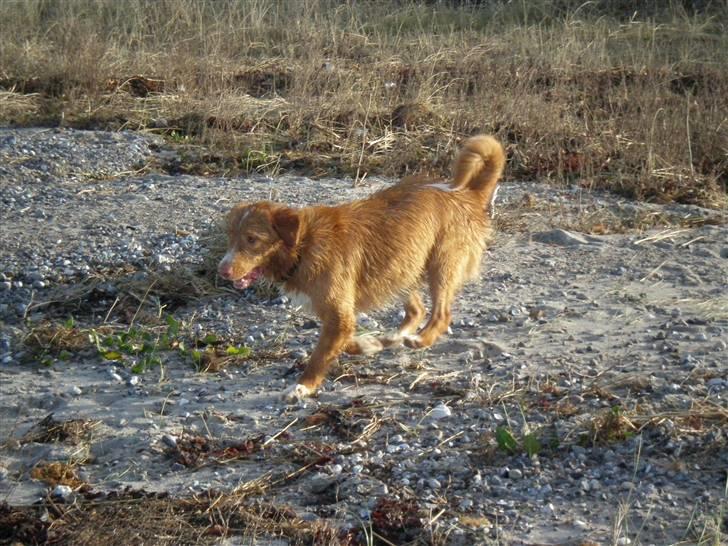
(479, 166)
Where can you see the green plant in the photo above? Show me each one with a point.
(140, 347)
(529, 443)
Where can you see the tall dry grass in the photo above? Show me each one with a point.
(628, 96)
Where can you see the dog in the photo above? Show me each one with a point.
(350, 258)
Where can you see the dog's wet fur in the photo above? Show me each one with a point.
(362, 255)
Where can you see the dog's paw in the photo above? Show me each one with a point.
(413, 341)
(296, 393)
(368, 345)
(392, 340)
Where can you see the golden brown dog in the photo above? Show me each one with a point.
(362, 255)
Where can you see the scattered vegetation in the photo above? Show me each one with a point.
(50, 430)
(196, 451)
(631, 97)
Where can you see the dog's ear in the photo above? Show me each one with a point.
(287, 224)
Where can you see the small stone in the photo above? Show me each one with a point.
(441, 411)
(62, 492)
(134, 380)
(320, 483)
(170, 440)
(432, 483)
(515, 474)
(74, 391)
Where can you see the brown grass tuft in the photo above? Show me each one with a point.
(580, 92)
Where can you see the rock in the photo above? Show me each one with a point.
(320, 483)
(62, 492)
(74, 390)
(441, 411)
(515, 474)
(561, 237)
(169, 440)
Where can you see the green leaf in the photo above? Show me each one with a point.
(197, 356)
(238, 351)
(209, 339)
(150, 361)
(505, 440)
(64, 356)
(137, 368)
(531, 444)
(112, 355)
(173, 326)
(70, 322)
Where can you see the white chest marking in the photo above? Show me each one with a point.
(301, 301)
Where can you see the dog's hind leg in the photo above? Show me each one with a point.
(414, 312)
(445, 279)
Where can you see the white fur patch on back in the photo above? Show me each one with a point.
(442, 187)
(296, 393)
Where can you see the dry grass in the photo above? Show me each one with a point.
(136, 517)
(618, 95)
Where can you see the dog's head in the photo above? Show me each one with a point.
(257, 234)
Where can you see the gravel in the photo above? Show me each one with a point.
(562, 328)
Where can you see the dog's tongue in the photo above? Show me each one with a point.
(248, 279)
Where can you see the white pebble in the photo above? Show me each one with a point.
(441, 411)
(62, 491)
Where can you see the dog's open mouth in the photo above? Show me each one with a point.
(246, 280)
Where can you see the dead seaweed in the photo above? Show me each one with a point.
(141, 517)
(22, 526)
(196, 451)
(57, 473)
(49, 430)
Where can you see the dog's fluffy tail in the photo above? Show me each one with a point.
(479, 166)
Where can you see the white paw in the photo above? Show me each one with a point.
(392, 340)
(412, 338)
(296, 393)
(368, 344)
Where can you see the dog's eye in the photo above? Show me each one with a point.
(251, 239)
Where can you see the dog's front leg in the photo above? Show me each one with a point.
(337, 329)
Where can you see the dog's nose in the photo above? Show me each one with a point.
(225, 270)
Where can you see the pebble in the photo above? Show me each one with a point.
(169, 440)
(62, 492)
(515, 474)
(441, 411)
(74, 390)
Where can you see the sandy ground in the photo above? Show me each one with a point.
(608, 349)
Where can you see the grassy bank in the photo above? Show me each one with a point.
(616, 95)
